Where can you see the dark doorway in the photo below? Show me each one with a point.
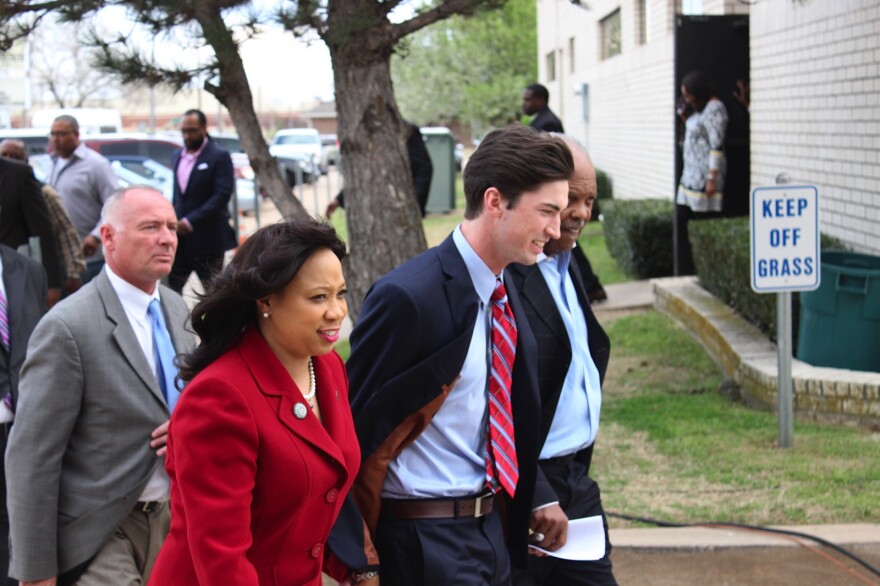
(719, 47)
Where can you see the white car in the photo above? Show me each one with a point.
(298, 147)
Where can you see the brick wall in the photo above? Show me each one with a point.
(815, 108)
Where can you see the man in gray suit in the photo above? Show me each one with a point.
(85, 462)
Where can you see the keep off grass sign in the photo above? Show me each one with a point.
(785, 238)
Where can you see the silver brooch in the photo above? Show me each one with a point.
(300, 411)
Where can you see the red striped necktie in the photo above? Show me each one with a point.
(501, 463)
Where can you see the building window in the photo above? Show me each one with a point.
(609, 33)
(551, 66)
(692, 7)
(571, 55)
(644, 21)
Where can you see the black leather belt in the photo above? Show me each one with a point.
(478, 506)
(148, 506)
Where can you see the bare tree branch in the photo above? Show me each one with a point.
(443, 10)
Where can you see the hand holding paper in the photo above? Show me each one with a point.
(586, 540)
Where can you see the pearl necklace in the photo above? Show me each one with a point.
(313, 387)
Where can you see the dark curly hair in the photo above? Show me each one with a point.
(263, 265)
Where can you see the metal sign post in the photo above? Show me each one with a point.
(785, 258)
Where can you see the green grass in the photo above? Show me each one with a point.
(593, 241)
(679, 450)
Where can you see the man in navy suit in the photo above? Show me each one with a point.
(421, 359)
(24, 292)
(572, 357)
(203, 184)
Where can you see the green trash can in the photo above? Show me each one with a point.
(840, 321)
(441, 148)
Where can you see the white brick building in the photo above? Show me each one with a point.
(815, 83)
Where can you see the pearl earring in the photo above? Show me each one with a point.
(265, 314)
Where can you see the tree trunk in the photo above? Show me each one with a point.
(234, 92)
(384, 222)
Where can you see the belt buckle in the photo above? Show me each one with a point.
(478, 505)
(148, 506)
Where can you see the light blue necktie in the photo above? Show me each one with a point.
(166, 370)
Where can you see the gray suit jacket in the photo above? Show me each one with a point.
(79, 456)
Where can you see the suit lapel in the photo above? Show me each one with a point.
(536, 291)
(275, 383)
(461, 297)
(125, 337)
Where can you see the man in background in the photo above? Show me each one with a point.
(534, 103)
(420, 166)
(23, 214)
(85, 181)
(65, 234)
(572, 356)
(203, 184)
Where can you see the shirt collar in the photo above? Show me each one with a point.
(198, 151)
(134, 301)
(481, 275)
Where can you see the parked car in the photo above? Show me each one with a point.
(298, 151)
(330, 144)
(136, 170)
(138, 144)
(35, 139)
(240, 161)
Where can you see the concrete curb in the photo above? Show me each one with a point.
(748, 358)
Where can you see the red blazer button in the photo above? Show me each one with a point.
(331, 495)
(318, 550)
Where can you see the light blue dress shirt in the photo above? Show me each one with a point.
(576, 420)
(448, 459)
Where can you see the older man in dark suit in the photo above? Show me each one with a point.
(443, 384)
(203, 184)
(22, 304)
(573, 354)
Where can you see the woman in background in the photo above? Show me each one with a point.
(262, 448)
(700, 191)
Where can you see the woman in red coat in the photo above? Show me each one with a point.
(262, 449)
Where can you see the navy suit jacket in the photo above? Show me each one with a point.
(205, 203)
(407, 351)
(25, 283)
(554, 349)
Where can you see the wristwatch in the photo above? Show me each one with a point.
(363, 576)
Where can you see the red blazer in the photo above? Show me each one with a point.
(254, 490)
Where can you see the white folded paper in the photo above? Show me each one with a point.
(585, 541)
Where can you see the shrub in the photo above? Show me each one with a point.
(638, 234)
(722, 259)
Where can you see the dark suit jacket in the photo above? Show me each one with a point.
(25, 283)
(407, 351)
(554, 349)
(205, 203)
(547, 121)
(23, 213)
(254, 489)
